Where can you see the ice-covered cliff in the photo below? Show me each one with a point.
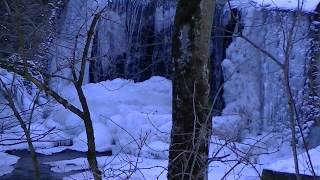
(254, 82)
(133, 40)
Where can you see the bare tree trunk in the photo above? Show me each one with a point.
(8, 96)
(191, 127)
(292, 120)
(86, 117)
(77, 81)
(91, 153)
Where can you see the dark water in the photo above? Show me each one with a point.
(24, 169)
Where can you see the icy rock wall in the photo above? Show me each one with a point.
(23, 99)
(67, 47)
(254, 85)
(133, 40)
(315, 56)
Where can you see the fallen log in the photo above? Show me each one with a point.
(276, 175)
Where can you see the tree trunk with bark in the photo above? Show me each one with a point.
(191, 116)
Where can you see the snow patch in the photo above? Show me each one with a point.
(305, 5)
(287, 165)
(7, 162)
(126, 115)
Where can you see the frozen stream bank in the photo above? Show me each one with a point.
(23, 169)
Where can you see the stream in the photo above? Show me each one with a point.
(23, 169)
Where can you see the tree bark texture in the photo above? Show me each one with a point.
(191, 126)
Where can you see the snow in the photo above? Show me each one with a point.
(124, 114)
(123, 166)
(133, 120)
(228, 127)
(11, 132)
(22, 99)
(287, 165)
(305, 5)
(308, 5)
(7, 162)
(72, 33)
(254, 86)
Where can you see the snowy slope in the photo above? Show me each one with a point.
(124, 113)
(287, 165)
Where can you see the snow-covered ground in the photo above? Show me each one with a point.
(305, 5)
(287, 165)
(6, 163)
(124, 114)
(124, 166)
(134, 121)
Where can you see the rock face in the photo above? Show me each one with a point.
(133, 41)
(254, 85)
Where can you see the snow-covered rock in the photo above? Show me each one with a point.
(126, 115)
(229, 127)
